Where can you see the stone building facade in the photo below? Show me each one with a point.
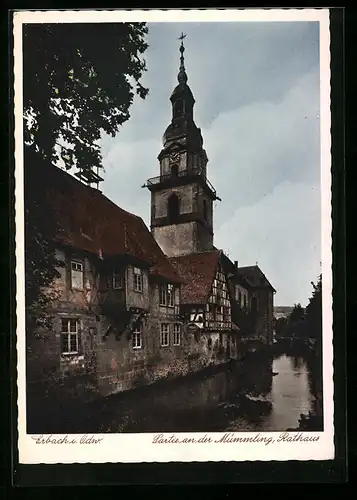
(136, 306)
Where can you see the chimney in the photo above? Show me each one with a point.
(236, 264)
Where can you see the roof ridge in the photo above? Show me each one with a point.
(194, 254)
(112, 229)
(89, 189)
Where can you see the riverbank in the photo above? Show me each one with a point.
(260, 393)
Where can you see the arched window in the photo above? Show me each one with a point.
(173, 208)
(205, 209)
(174, 171)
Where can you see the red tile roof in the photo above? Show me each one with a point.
(197, 271)
(93, 223)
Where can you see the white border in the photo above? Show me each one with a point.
(139, 447)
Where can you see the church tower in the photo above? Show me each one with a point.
(182, 196)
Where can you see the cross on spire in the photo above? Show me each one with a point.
(182, 38)
(182, 77)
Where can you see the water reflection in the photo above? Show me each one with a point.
(267, 395)
(297, 363)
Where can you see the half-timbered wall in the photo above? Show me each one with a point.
(218, 308)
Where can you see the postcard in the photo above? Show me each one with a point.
(173, 235)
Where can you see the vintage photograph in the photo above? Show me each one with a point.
(172, 217)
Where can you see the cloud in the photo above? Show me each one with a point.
(256, 147)
(257, 102)
(282, 233)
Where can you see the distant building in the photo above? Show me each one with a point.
(282, 311)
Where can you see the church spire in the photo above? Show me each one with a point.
(182, 76)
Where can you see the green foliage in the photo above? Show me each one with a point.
(295, 324)
(304, 323)
(314, 311)
(41, 264)
(280, 326)
(78, 81)
(297, 315)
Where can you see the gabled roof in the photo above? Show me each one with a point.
(93, 223)
(231, 270)
(254, 276)
(197, 271)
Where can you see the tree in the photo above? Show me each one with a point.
(78, 82)
(280, 327)
(314, 312)
(41, 263)
(313, 327)
(295, 323)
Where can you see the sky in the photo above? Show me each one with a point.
(256, 87)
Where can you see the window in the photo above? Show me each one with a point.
(177, 334)
(164, 334)
(173, 208)
(213, 310)
(136, 338)
(209, 343)
(167, 295)
(138, 279)
(244, 300)
(77, 275)
(70, 336)
(240, 298)
(118, 279)
(174, 171)
(254, 304)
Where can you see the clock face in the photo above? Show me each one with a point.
(174, 156)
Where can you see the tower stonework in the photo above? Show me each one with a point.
(182, 196)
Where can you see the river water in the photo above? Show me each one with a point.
(254, 395)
